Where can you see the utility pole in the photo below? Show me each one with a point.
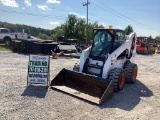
(86, 4)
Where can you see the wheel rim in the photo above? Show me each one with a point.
(134, 74)
(7, 42)
(122, 79)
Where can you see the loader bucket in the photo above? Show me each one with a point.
(85, 86)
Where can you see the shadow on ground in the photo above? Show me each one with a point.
(126, 99)
(35, 91)
(129, 97)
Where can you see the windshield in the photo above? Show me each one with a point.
(101, 44)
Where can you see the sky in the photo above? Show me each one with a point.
(142, 15)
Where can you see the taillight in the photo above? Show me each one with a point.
(16, 36)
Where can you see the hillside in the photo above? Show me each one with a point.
(28, 29)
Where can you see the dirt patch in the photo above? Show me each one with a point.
(136, 101)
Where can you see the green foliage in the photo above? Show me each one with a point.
(5, 48)
(80, 31)
(70, 26)
(58, 31)
(28, 29)
(150, 39)
(157, 38)
(128, 29)
(75, 28)
(43, 36)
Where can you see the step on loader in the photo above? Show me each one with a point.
(104, 67)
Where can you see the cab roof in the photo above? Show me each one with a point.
(107, 29)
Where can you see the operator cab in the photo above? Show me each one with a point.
(105, 41)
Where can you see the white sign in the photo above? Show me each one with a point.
(38, 69)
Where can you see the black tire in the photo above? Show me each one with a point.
(117, 75)
(131, 71)
(7, 41)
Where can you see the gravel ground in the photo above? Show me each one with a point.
(36, 102)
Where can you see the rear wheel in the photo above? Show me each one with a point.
(7, 41)
(117, 75)
(131, 70)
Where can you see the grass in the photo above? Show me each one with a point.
(5, 48)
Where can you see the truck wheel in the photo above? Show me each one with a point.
(131, 70)
(117, 75)
(7, 42)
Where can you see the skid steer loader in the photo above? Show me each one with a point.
(104, 67)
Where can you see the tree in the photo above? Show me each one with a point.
(70, 26)
(150, 39)
(28, 29)
(58, 31)
(157, 38)
(75, 28)
(43, 36)
(128, 29)
(80, 31)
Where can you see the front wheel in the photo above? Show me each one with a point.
(131, 71)
(117, 75)
(8, 42)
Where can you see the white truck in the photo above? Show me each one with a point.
(6, 36)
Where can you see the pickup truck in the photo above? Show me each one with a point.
(6, 36)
